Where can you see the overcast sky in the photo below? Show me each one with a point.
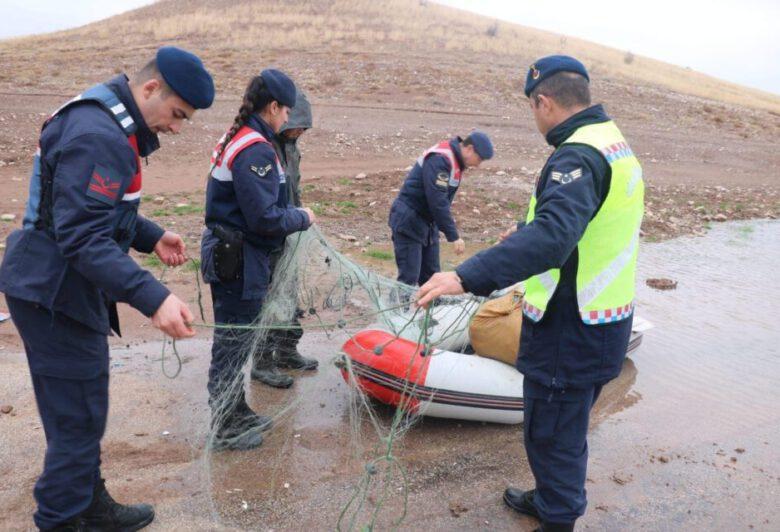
(737, 40)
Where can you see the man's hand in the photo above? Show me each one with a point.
(174, 318)
(310, 214)
(171, 250)
(459, 246)
(441, 284)
(506, 234)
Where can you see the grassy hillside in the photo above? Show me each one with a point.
(382, 43)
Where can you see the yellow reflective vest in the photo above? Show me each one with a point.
(608, 249)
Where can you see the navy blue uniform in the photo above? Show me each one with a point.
(564, 361)
(64, 272)
(420, 211)
(254, 202)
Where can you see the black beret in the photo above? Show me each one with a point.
(547, 66)
(185, 74)
(280, 86)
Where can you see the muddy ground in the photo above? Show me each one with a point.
(704, 162)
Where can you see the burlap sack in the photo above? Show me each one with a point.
(495, 328)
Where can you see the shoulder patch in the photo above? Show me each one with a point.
(261, 171)
(566, 177)
(104, 185)
(442, 179)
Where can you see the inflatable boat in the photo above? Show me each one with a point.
(441, 383)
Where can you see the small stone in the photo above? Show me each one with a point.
(159, 199)
(182, 205)
(622, 479)
(360, 176)
(500, 172)
(720, 217)
(739, 450)
(456, 509)
(348, 238)
(286, 485)
(6, 409)
(661, 284)
(8, 217)
(663, 459)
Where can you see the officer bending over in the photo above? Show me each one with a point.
(248, 216)
(577, 255)
(64, 271)
(280, 350)
(422, 207)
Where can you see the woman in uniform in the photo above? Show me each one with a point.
(247, 216)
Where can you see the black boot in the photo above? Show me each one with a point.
(555, 527)
(239, 429)
(521, 501)
(73, 525)
(294, 360)
(105, 514)
(250, 418)
(265, 371)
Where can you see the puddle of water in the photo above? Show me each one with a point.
(699, 448)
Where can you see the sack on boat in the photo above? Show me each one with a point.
(495, 328)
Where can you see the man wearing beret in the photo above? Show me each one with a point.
(422, 207)
(66, 269)
(576, 253)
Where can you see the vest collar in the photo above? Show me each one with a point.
(148, 142)
(455, 145)
(592, 115)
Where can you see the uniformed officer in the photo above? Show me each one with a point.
(65, 270)
(280, 350)
(577, 255)
(422, 207)
(248, 216)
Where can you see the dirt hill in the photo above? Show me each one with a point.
(330, 38)
(387, 80)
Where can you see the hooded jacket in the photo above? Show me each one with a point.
(290, 155)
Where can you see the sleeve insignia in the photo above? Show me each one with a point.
(442, 179)
(261, 171)
(104, 185)
(566, 177)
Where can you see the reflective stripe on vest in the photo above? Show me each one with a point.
(222, 166)
(109, 101)
(607, 251)
(444, 148)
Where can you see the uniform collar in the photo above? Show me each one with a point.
(261, 126)
(592, 115)
(455, 145)
(148, 142)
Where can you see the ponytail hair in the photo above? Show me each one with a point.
(256, 98)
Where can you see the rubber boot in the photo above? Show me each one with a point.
(521, 501)
(265, 371)
(294, 360)
(104, 513)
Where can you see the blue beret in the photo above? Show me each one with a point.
(547, 66)
(482, 144)
(185, 74)
(280, 86)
